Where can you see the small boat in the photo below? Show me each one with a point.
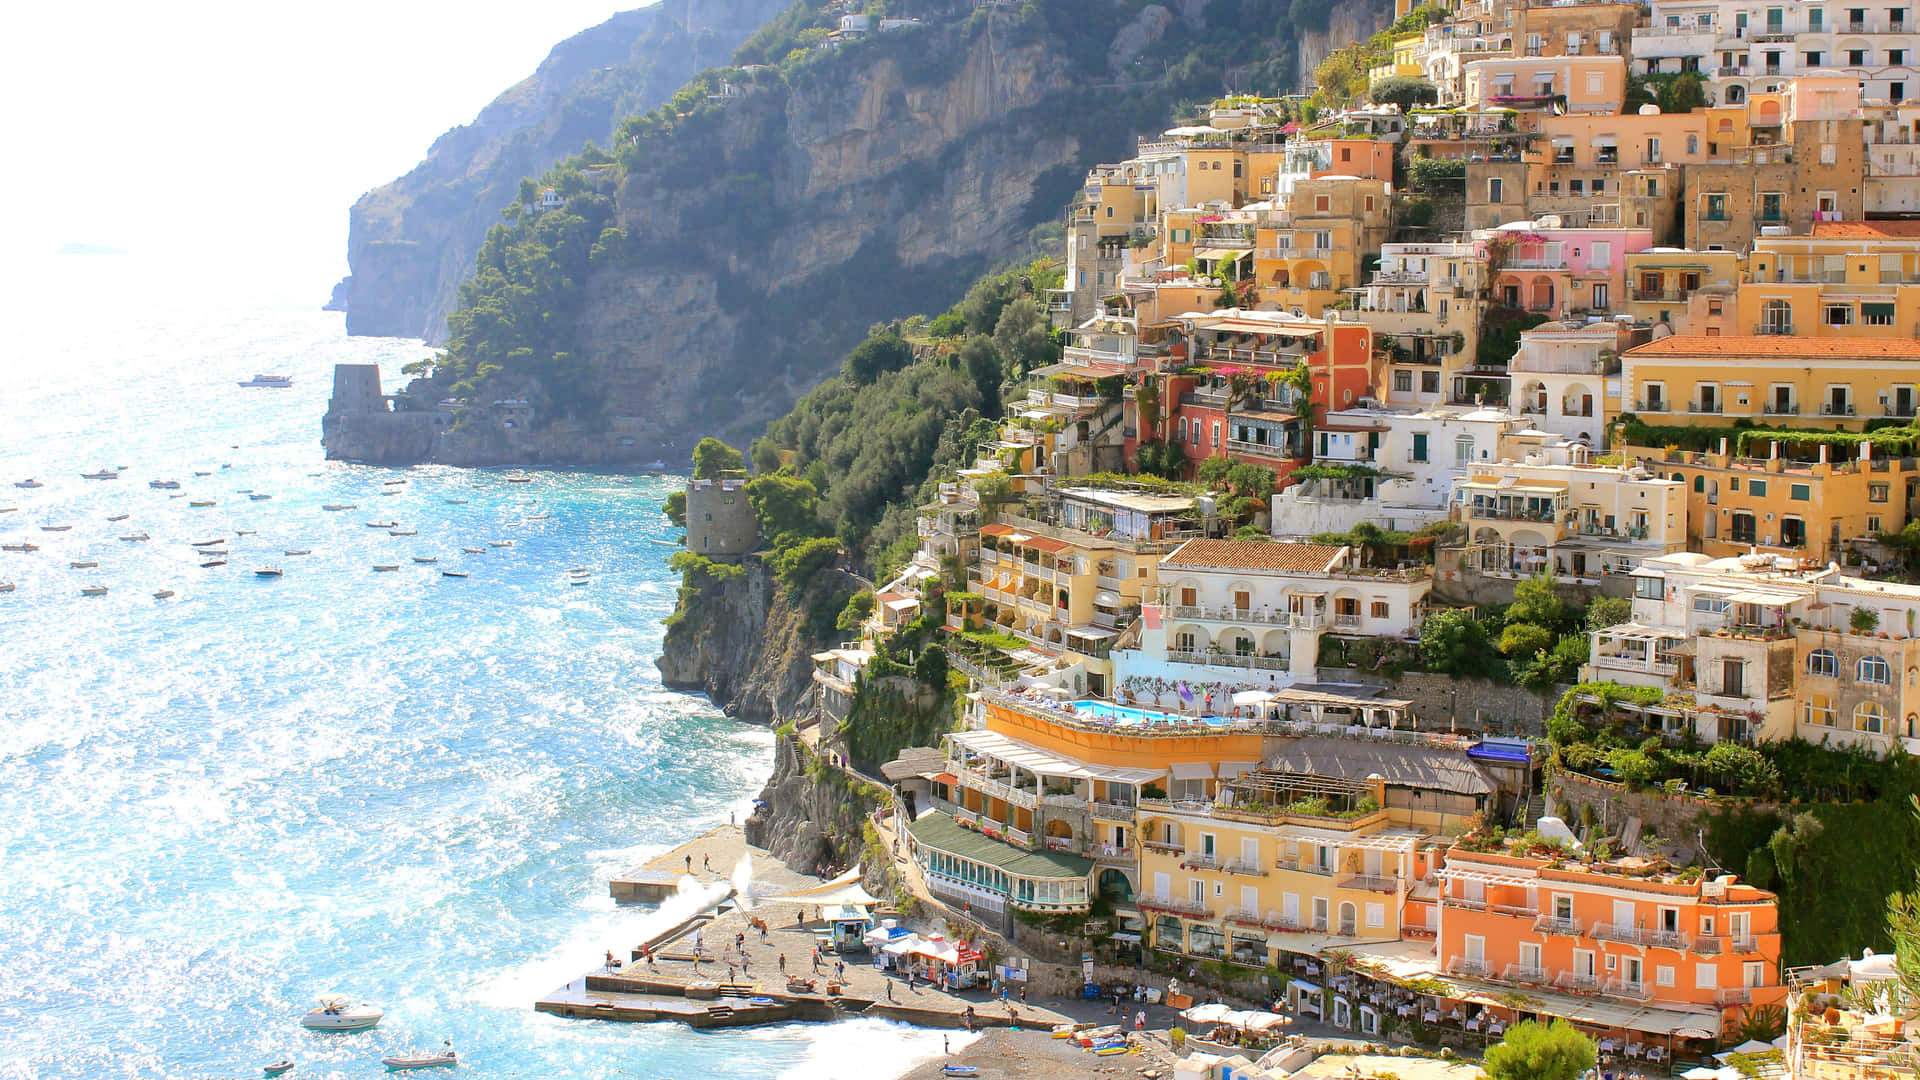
(215, 542)
(380, 524)
(163, 594)
(8, 509)
(656, 465)
(55, 528)
(278, 1068)
(403, 532)
(200, 502)
(118, 517)
(134, 538)
(164, 485)
(202, 472)
(267, 571)
(417, 1060)
(663, 543)
(395, 492)
(178, 495)
(453, 573)
(337, 1014)
(246, 532)
(243, 491)
(499, 543)
(7, 586)
(330, 507)
(474, 551)
(961, 1070)
(299, 551)
(393, 483)
(270, 382)
(259, 496)
(426, 559)
(20, 546)
(385, 568)
(94, 590)
(28, 483)
(213, 553)
(519, 478)
(84, 564)
(456, 502)
(103, 474)
(538, 517)
(211, 563)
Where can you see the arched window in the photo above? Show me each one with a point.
(1699, 483)
(1462, 449)
(1868, 716)
(1872, 669)
(1823, 662)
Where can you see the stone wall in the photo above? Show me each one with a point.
(1678, 820)
(1476, 705)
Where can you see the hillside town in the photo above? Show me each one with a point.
(1331, 382)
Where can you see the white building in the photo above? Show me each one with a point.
(1564, 375)
(1745, 47)
(1252, 613)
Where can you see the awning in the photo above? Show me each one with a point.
(1764, 598)
(1082, 371)
(1045, 543)
(1092, 633)
(907, 604)
(1222, 254)
(1034, 759)
(1107, 598)
(1231, 769)
(1192, 770)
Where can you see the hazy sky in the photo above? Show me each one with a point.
(243, 131)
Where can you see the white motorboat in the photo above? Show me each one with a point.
(164, 485)
(339, 1014)
(284, 1065)
(337, 506)
(299, 551)
(20, 546)
(203, 472)
(134, 538)
(28, 483)
(84, 564)
(267, 571)
(519, 478)
(474, 551)
(270, 382)
(55, 528)
(259, 496)
(453, 573)
(499, 543)
(380, 524)
(6, 586)
(385, 568)
(417, 1060)
(199, 502)
(456, 502)
(118, 517)
(426, 558)
(94, 590)
(403, 532)
(162, 594)
(103, 474)
(216, 542)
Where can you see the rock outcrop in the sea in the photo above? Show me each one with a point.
(412, 242)
(745, 645)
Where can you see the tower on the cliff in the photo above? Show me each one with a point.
(720, 520)
(356, 389)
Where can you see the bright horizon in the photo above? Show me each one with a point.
(226, 133)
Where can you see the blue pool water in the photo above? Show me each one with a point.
(1128, 715)
(403, 787)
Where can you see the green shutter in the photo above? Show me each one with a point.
(1801, 492)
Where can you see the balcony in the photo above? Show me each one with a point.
(1103, 811)
(1551, 924)
(1521, 973)
(1379, 883)
(1579, 984)
(1226, 659)
(1512, 513)
(1774, 329)
(1244, 867)
(1706, 408)
(1907, 411)
(1774, 408)
(1261, 450)
(1836, 409)
(1636, 663)
(1164, 847)
(1650, 406)
(1303, 868)
(1631, 989)
(981, 782)
(1192, 909)
(1461, 965)
(1733, 995)
(1195, 860)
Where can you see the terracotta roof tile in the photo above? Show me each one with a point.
(1772, 346)
(1839, 230)
(1252, 555)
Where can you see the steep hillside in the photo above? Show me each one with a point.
(735, 243)
(412, 242)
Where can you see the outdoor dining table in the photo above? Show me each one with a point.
(1405, 1010)
(1608, 1046)
(1473, 1024)
(1432, 1016)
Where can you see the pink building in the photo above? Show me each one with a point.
(1562, 272)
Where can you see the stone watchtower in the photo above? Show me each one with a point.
(720, 520)
(356, 389)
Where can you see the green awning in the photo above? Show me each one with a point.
(937, 830)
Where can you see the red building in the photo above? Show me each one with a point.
(1247, 358)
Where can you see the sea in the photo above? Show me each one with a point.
(402, 787)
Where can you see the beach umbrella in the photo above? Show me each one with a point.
(1212, 1013)
(1700, 1072)
(1252, 697)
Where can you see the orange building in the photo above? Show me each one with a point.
(1621, 943)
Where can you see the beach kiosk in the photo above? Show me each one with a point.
(952, 965)
(841, 911)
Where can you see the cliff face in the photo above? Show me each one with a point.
(1348, 21)
(745, 646)
(412, 242)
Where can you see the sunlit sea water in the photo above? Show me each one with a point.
(403, 787)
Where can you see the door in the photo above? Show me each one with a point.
(1630, 972)
(1709, 399)
(1783, 400)
(1290, 908)
(1163, 884)
(1249, 852)
(1838, 405)
(1476, 947)
(1120, 837)
(1530, 959)
(1733, 678)
(1320, 913)
(1249, 899)
(1623, 914)
(1903, 401)
(1601, 297)
(1737, 925)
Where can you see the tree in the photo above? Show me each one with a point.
(859, 606)
(1685, 93)
(711, 458)
(1742, 766)
(1452, 643)
(1608, 611)
(1536, 602)
(1524, 641)
(1021, 336)
(883, 351)
(1903, 926)
(1404, 91)
(930, 670)
(1535, 1051)
(784, 505)
(676, 508)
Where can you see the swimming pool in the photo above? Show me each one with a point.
(1129, 716)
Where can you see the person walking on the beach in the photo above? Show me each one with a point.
(783, 963)
(1140, 1020)
(889, 989)
(968, 1017)
(689, 864)
(707, 861)
(816, 962)
(1013, 1017)
(945, 1047)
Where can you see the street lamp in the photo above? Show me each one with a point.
(1453, 711)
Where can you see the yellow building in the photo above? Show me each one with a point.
(1289, 859)
(1662, 283)
(1771, 379)
(1851, 279)
(1313, 249)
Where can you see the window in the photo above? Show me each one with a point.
(1419, 452)
(1462, 449)
(1403, 382)
(1896, 57)
(1494, 189)
(1741, 532)
(1793, 532)
(1819, 711)
(1649, 588)
(1772, 205)
(1429, 382)
(1813, 58)
(1876, 314)
(1872, 669)
(1693, 144)
(1856, 58)
(1870, 717)
(1716, 208)
(1838, 315)
(1877, 493)
(1600, 255)
(1824, 663)
(1322, 204)
(1800, 492)
(1756, 488)
(1663, 975)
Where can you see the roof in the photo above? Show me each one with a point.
(914, 761)
(1254, 555)
(1776, 345)
(1870, 230)
(1047, 763)
(1402, 766)
(938, 831)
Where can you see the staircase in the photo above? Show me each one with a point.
(1530, 812)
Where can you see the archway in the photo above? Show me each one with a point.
(1577, 401)
(1540, 297)
(1115, 886)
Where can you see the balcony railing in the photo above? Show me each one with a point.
(1195, 860)
(1774, 408)
(1650, 406)
(1831, 409)
(1264, 616)
(1303, 867)
(1372, 883)
(1244, 867)
(981, 782)
(1774, 329)
(1552, 924)
(1103, 811)
(1709, 408)
(1264, 450)
(1632, 989)
(1733, 995)
(1568, 980)
(1460, 965)
(1164, 847)
(1521, 973)
(1226, 659)
(1192, 909)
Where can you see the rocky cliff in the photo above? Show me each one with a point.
(745, 645)
(412, 242)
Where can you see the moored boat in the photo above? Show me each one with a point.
(28, 483)
(83, 564)
(403, 532)
(215, 542)
(474, 551)
(270, 382)
(385, 568)
(55, 528)
(164, 485)
(6, 586)
(134, 538)
(21, 545)
(519, 478)
(200, 502)
(338, 1014)
(259, 496)
(299, 551)
(380, 524)
(453, 573)
(102, 474)
(211, 563)
(338, 506)
(456, 502)
(278, 1068)
(93, 590)
(118, 517)
(267, 571)
(426, 558)
(418, 1060)
(162, 594)
(499, 543)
